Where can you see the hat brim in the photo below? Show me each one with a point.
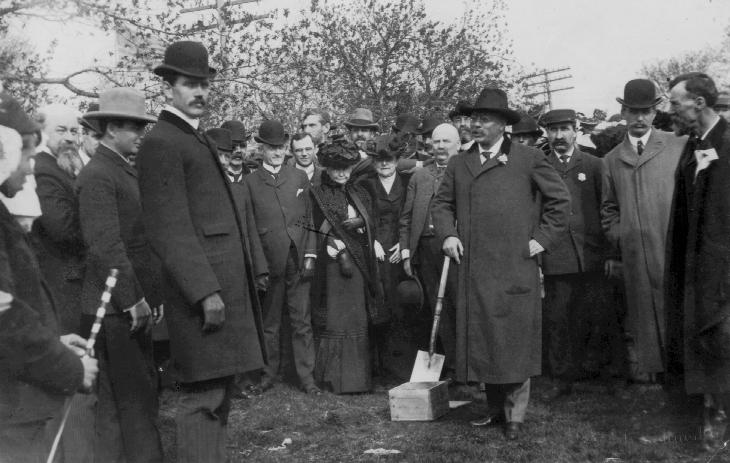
(278, 142)
(537, 132)
(165, 69)
(119, 115)
(510, 115)
(90, 125)
(361, 123)
(639, 106)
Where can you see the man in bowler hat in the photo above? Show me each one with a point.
(637, 198)
(194, 227)
(277, 198)
(493, 225)
(110, 214)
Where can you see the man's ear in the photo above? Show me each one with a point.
(326, 127)
(167, 90)
(700, 102)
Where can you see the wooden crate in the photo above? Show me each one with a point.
(419, 401)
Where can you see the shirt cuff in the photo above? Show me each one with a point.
(419, 164)
(5, 300)
(405, 254)
(313, 256)
(334, 247)
(139, 303)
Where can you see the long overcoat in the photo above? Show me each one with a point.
(698, 284)
(635, 210)
(194, 227)
(495, 209)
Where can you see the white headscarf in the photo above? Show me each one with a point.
(11, 145)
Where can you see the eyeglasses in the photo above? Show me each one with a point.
(61, 130)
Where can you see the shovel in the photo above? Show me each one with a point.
(428, 365)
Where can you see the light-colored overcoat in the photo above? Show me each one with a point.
(635, 211)
(495, 209)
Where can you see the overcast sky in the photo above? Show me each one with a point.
(604, 42)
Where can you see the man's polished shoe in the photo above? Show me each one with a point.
(512, 430)
(489, 420)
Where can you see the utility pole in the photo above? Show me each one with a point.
(545, 81)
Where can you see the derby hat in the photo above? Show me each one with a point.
(187, 58)
(222, 139)
(238, 131)
(527, 125)
(272, 133)
(390, 146)
(640, 94)
(14, 116)
(428, 124)
(340, 154)
(121, 103)
(406, 123)
(410, 292)
(557, 116)
(361, 117)
(462, 108)
(494, 100)
(91, 124)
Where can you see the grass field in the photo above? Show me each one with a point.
(591, 425)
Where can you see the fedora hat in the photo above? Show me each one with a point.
(187, 58)
(462, 108)
(557, 116)
(526, 125)
(428, 124)
(238, 131)
(361, 117)
(410, 292)
(91, 124)
(639, 94)
(121, 103)
(406, 123)
(494, 100)
(222, 139)
(272, 133)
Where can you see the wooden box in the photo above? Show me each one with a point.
(419, 401)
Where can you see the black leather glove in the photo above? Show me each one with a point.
(346, 264)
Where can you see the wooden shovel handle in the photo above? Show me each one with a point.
(439, 304)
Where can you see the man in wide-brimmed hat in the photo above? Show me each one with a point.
(277, 198)
(637, 198)
(110, 214)
(576, 288)
(191, 220)
(459, 117)
(493, 225)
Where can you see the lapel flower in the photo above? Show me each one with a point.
(581, 177)
(502, 158)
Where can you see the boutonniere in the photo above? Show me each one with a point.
(502, 158)
(704, 158)
(581, 177)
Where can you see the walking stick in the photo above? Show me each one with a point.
(439, 306)
(106, 296)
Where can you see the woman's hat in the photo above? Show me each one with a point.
(340, 154)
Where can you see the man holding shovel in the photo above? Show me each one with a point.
(493, 225)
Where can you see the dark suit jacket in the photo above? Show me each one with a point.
(111, 221)
(421, 189)
(36, 370)
(57, 238)
(583, 246)
(282, 213)
(193, 225)
(386, 207)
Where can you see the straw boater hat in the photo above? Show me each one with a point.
(186, 58)
(640, 94)
(272, 133)
(494, 100)
(361, 117)
(121, 103)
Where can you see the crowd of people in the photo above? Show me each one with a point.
(576, 251)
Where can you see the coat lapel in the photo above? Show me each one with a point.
(576, 160)
(114, 158)
(654, 146)
(265, 176)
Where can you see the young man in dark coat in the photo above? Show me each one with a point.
(493, 224)
(110, 214)
(278, 200)
(575, 287)
(193, 225)
(698, 314)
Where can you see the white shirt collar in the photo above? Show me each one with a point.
(711, 127)
(271, 169)
(114, 151)
(494, 149)
(85, 158)
(569, 153)
(192, 122)
(309, 170)
(644, 139)
(387, 182)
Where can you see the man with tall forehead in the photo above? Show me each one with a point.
(304, 154)
(635, 209)
(317, 124)
(194, 227)
(420, 250)
(493, 225)
(698, 311)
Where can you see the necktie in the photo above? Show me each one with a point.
(564, 158)
(236, 177)
(639, 147)
(486, 156)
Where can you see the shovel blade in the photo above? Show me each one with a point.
(425, 371)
